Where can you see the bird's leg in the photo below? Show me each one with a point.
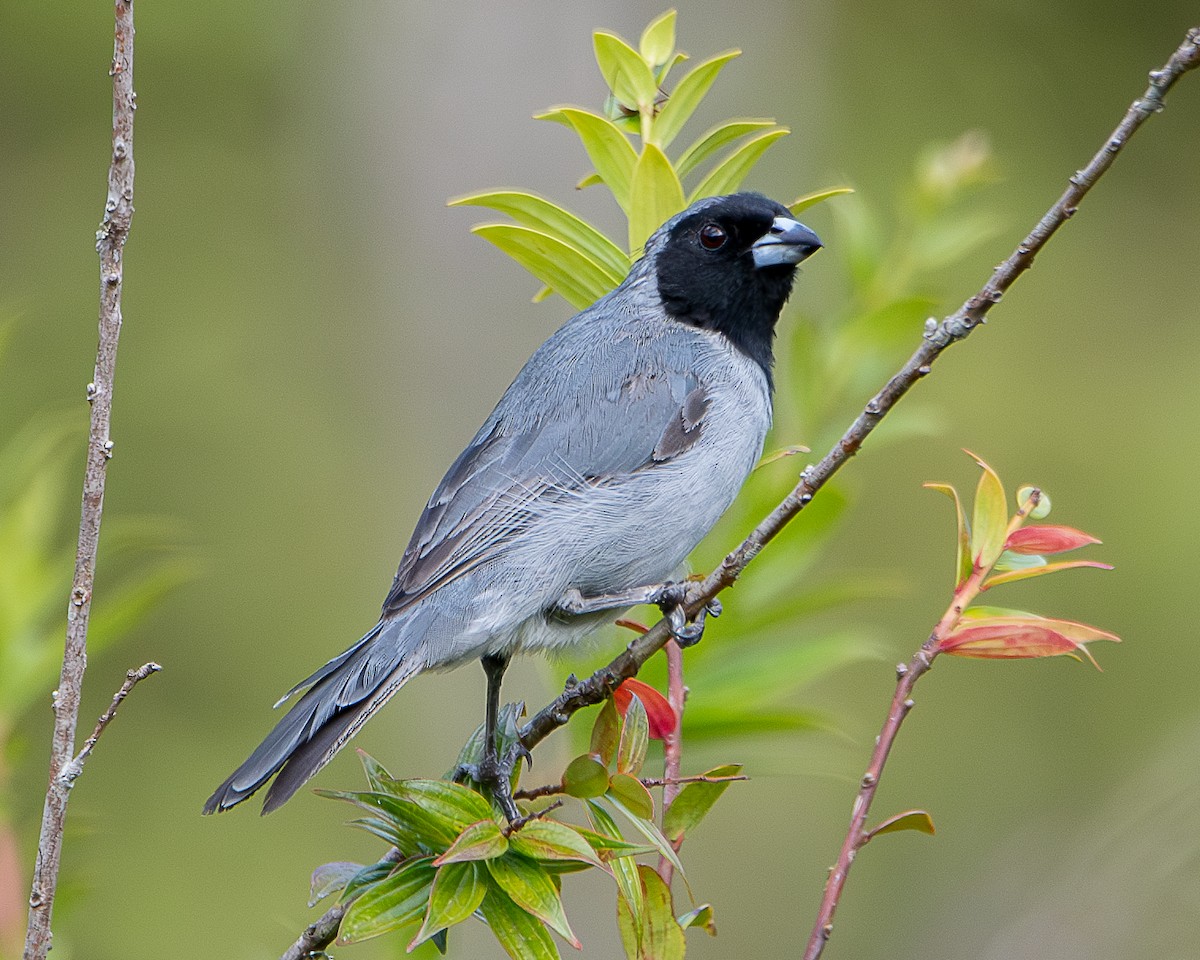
(669, 597)
(496, 771)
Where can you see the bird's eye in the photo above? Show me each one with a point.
(712, 237)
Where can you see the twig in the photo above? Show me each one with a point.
(132, 678)
(937, 337)
(672, 746)
(554, 789)
(1186, 57)
(110, 240)
(321, 933)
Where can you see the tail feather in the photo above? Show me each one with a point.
(344, 694)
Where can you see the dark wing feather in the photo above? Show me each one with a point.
(598, 418)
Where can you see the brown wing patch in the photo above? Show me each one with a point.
(685, 427)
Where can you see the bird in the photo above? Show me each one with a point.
(618, 446)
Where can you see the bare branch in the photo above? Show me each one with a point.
(132, 678)
(937, 337)
(110, 241)
(672, 746)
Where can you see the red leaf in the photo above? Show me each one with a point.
(1038, 540)
(658, 709)
(1010, 638)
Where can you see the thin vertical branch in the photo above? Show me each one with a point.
(110, 241)
(673, 744)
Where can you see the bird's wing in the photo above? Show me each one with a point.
(585, 411)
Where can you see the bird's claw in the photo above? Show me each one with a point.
(670, 599)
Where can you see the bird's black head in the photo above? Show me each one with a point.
(727, 264)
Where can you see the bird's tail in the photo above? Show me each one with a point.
(342, 696)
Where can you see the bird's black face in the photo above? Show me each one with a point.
(728, 264)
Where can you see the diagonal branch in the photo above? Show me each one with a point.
(937, 337)
(110, 241)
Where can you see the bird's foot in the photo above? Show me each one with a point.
(496, 773)
(670, 598)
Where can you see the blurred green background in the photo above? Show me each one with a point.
(311, 336)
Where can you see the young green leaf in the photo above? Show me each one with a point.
(329, 878)
(549, 218)
(585, 777)
(576, 278)
(1039, 512)
(393, 903)
(729, 173)
(1024, 574)
(624, 868)
(412, 825)
(458, 890)
(719, 136)
(989, 524)
(375, 771)
(656, 195)
(963, 559)
(607, 147)
(635, 738)
(693, 802)
(686, 97)
(531, 888)
(626, 73)
(478, 841)
(606, 733)
(608, 847)
(522, 936)
(701, 917)
(662, 936)
(801, 204)
(550, 840)
(648, 829)
(658, 40)
(917, 820)
(632, 793)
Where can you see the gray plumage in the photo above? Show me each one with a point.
(614, 451)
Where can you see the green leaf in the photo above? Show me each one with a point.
(458, 890)
(451, 801)
(479, 841)
(694, 801)
(686, 97)
(366, 877)
(376, 773)
(632, 793)
(658, 40)
(550, 840)
(330, 878)
(608, 148)
(390, 904)
(1014, 575)
(625, 72)
(624, 869)
(629, 929)
(635, 738)
(917, 820)
(656, 195)
(610, 847)
(662, 936)
(549, 218)
(649, 830)
(606, 732)
(963, 560)
(585, 777)
(701, 917)
(414, 825)
(989, 524)
(576, 278)
(817, 196)
(522, 936)
(729, 173)
(716, 138)
(1018, 561)
(532, 889)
